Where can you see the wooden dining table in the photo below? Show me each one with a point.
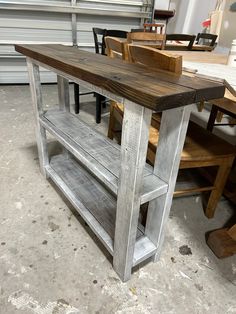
(105, 182)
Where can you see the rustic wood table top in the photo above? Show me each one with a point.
(154, 89)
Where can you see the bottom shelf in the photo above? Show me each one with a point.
(95, 204)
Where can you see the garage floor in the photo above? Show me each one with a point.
(50, 262)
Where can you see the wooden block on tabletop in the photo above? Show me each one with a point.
(221, 243)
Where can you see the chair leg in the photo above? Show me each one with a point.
(76, 96)
(219, 184)
(112, 122)
(200, 106)
(219, 116)
(98, 108)
(212, 118)
(103, 100)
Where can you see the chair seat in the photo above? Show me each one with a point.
(225, 103)
(200, 145)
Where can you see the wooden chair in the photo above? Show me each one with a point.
(100, 48)
(116, 48)
(147, 39)
(205, 42)
(179, 39)
(201, 148)
(154, 27)
(98, 35)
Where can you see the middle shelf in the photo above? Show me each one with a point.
(96, 152)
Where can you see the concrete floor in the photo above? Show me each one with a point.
(50, 263)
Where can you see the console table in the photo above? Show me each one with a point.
(105, 182)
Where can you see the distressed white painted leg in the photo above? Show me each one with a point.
(36, 93)
(63, 100)
(135, 131)
(172, 135)
(63, 93)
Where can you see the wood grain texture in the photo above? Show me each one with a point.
(173, 129)
(97, 152)
(94, 203)
(157, 90)
(206, 57)
(134, 141)
(156, 59)
(221, 243)
(36, 94)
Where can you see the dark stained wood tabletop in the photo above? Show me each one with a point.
(156, 89)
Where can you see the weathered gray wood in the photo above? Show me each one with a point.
(94, 203)
(36, 94)
(97, 152)
(173, 130)
(135, 132)
(64, 172)
(63, 93)
(143, 249)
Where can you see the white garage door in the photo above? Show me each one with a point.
(67, 22)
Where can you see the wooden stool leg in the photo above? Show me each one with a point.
(112, 121)
(220, 180)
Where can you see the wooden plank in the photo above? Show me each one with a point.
(221, 243)
(94, 203)
(58, 167)
(63, 93)
(135, 130)
(97, 152)
(36, 94)
(143, 249)
(156, 90)
(173, 130)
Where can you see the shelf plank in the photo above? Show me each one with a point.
(96, 152)
(94, 203)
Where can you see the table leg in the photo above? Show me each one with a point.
(135, 131)
(63, 93)
(173, 130)
(36, 93)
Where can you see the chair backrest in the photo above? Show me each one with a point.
(135, 30)
(180, 37)
(116, 48)
(98, 35)
(153, 27)
(147, 38)
(155, 59)
(208, 39)
(115, 33)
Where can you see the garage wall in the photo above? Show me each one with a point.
(67, 22)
